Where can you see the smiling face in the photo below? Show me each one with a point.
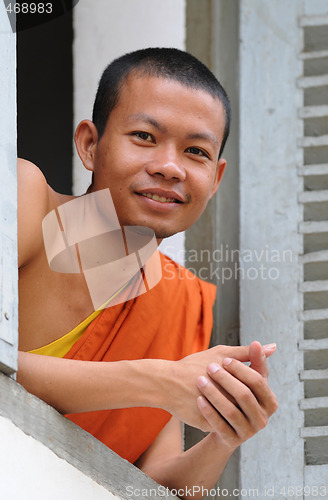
(159, 154)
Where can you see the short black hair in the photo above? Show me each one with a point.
(170, 63)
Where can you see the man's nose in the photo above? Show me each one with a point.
(167, 165)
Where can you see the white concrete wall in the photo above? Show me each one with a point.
(30, 471)
(44, 455)
(269, 216)
(106, 29)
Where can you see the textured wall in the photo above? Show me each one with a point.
(269, 239)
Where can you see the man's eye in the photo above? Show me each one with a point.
(145, 136)
(197, 152)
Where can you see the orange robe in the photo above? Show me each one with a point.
(170, 321)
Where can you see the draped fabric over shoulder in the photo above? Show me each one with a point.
(171, 321)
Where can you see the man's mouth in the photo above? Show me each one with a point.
(161, 199)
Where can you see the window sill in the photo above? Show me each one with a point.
(71, 443)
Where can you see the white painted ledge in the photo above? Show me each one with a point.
(314, 403)
(314, 286)
(316, 475)
(314, 375)
(317, 196)
(315, 315)
(306, 82)
(313, 111)
(314, 344)
(73, 445)
(320, 256)
(313, 142)
(316, 169)
(316, 54)
(319, 431)
(313, 20)
(313, 227)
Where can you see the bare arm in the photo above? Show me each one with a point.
(33, 202)
(190, 472)
(73, 386)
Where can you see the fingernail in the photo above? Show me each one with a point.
(270, 347)
(201, 402)
(227, 361)
(202, 381)
(213, 367)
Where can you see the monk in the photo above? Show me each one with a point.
(130, 371)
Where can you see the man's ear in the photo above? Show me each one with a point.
(221, 165)
(86, 138)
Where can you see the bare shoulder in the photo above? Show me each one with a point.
(33, 204)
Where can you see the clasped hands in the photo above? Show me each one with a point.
(233, 401)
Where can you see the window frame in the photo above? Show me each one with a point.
(8, 200)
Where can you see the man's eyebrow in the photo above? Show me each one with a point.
(207, 136)
(147, 119)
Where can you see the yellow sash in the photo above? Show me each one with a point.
(61, 346)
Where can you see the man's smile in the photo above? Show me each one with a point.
(162, 199)
(158, 200)
(162, 196)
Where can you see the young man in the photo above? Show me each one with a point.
(159, 126)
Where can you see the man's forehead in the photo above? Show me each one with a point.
(136, 82)
(137, 78)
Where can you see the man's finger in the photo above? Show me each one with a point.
(242, 353)
(269, 349)
(248, 387)
(258, 359)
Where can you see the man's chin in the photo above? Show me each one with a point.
(161, 235)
